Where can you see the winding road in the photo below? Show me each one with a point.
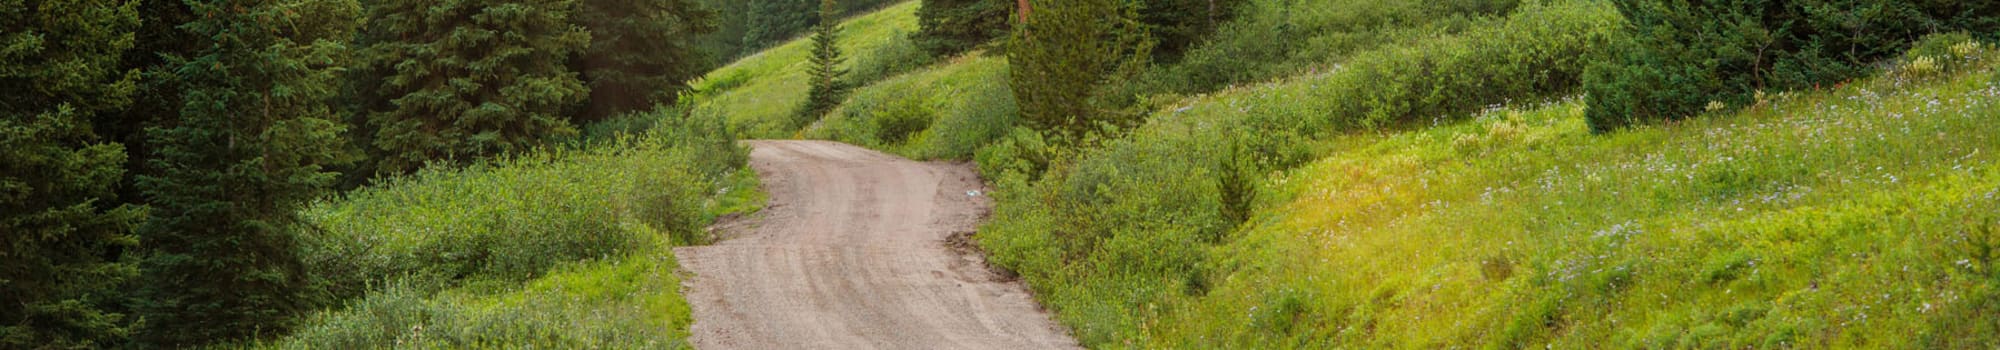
(852, 252)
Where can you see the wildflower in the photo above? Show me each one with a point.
(1966, 48)
(1716, 106)
(1924, 65)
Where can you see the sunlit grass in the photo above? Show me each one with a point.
(1854, 217)
(760, 94)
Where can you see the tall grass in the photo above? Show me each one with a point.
(1855, 217)
(560, 248)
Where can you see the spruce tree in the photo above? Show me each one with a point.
(470, 79)
(1064, 51)
(245, 152)
(61, 228)
(642, 52)
(827, 89)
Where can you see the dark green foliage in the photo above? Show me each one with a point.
(1683, 57)
(1177, 25)
(641, 52)
(774, 21)
(732, 22)
(947, 27)
(471, 79)
(61, 228)
(247, 150)
(828, 87)
(1064, 53)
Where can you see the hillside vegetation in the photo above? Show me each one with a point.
(1414, 174)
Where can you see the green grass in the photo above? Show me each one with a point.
(1862, 216)
(946, 111)
(563, 248)
(1106, 232)
(761, 94)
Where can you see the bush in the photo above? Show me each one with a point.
(1682, 58)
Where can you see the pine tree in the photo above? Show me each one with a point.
(61, 228)
(470, 79)
(642, 52)
(245, 152)
(1064, 51)
(827, 87)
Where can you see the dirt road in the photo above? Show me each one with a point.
(851, 253)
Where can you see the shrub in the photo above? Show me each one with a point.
(1681, 55)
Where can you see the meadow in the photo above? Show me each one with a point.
(1408, 174)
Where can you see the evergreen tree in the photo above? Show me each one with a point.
(774, 21)
(946, 27)
(60, 226)
(470, 79)
(1064, 52)
(827, 88)
(642, 52)
(246, 151)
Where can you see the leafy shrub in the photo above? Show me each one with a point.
(1683, 56)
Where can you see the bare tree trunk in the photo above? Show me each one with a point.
(1024, 10)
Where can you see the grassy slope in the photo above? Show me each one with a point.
(1862, 216)
(946, 111)
(1857, 216)
(760, 94)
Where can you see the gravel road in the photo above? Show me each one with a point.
(852, 252)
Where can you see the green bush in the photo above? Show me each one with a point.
(1682, 58)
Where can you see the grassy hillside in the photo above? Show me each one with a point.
(760, 94)
(1420, 174)
(1856, 217)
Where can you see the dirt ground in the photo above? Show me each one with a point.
(853, 252)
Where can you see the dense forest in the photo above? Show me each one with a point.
(330, 173)
(157, 153)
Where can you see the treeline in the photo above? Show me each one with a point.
(154, 154)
